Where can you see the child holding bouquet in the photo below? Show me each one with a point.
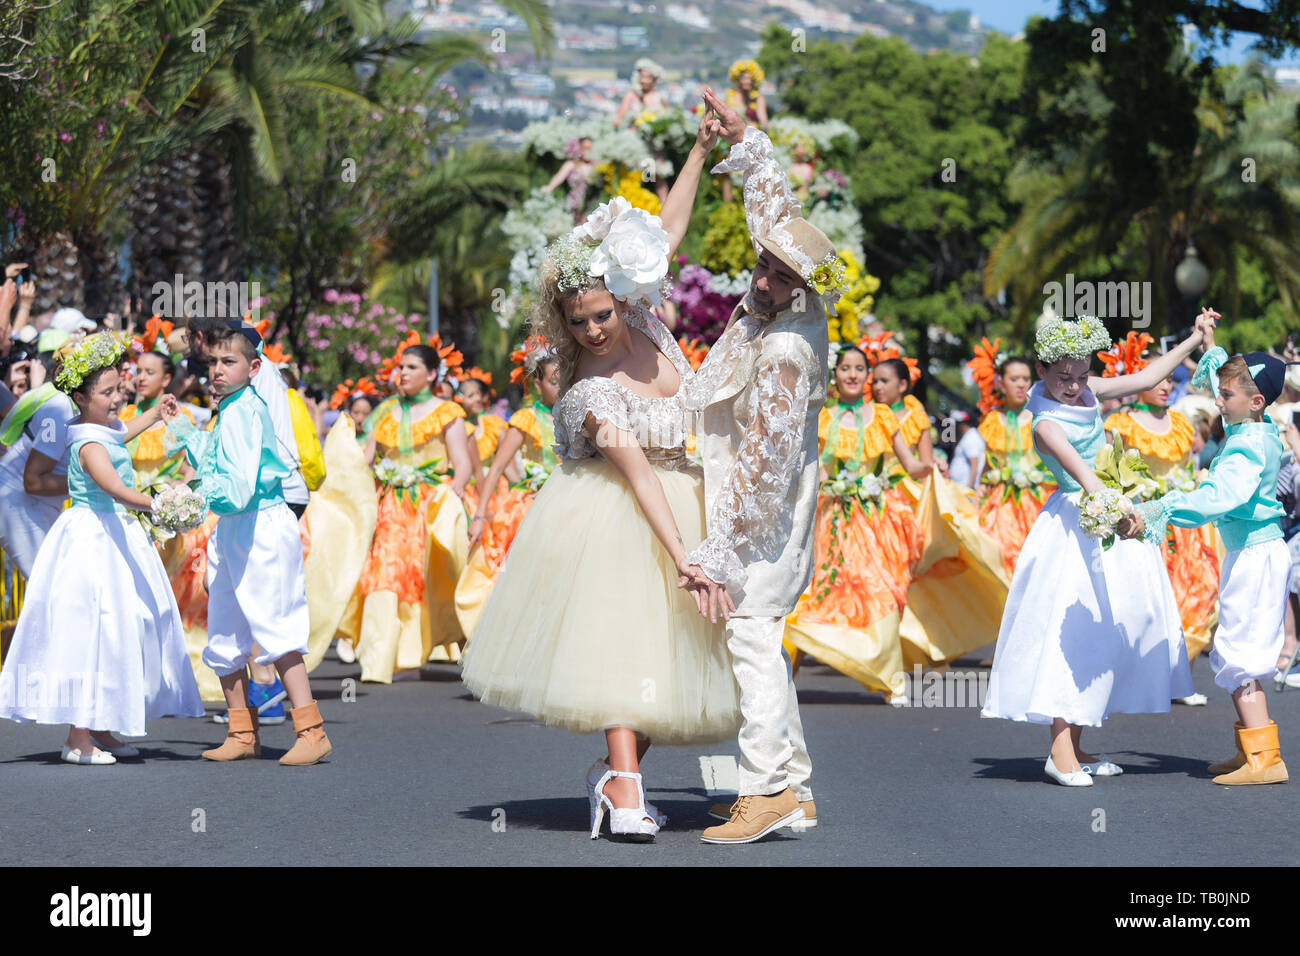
(1239, 496)
(99, 644)
(1091, 626)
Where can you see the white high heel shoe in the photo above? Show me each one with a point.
(1075, 778)
(629, 823)
(594, 773)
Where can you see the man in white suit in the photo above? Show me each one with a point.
(759, 394)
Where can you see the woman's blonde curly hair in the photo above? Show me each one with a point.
(548, 320)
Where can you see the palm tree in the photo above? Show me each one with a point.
(1070, 220)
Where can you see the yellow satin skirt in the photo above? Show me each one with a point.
(851, 615)
(955, 602)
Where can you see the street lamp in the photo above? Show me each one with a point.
(1192, 279)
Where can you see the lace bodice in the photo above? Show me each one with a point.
(659, 425)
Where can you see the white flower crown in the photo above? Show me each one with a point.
(625, 246)
(1059, 338)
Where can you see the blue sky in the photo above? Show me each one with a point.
(1009, 16)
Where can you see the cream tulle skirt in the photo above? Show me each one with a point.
(586, 628)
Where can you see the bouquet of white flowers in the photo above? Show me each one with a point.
(404, 480)
(535, 475)
(178, 509)
(1101, 511)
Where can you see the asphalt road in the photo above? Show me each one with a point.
(424, 775)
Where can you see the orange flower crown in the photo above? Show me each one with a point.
(155, 330)
(478, 375)
(694, 350)
(876, 351)
(345, 392)
(449, 366)
(984, 369)
(527, 357)
(1125, 357)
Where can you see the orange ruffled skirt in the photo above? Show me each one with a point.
(852, 623)
(1008, 521)
(407, 587)
(1192, 559)
(509, 505)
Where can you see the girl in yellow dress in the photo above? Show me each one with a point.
(1014, 485)
(868, 538)
(954, 604)
(422, 462)
(1163, 438)
(475, 395)
(530, 435)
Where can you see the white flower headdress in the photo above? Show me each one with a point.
(1059, 338)
(102, 350)
(625, 246)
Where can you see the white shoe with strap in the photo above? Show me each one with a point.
(594, 773)
(632, 823)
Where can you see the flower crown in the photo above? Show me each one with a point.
(449, 359)
(529, 357)
(349, 390)
(746, 66)
(877, 351)
(154, 337)
(1125, 357)
(984, 369)
(95, 352)
(1059, 338)
(625, 246)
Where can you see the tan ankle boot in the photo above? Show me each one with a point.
(312, 744)
(241, 737)
(1263, 758)
(1232, 763)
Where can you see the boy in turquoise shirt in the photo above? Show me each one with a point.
(256, 589)
(1239, 496)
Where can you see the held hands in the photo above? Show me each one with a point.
(706, 137)
(1205, 323)
(733, 124)
(1131, 527)
(711, 598)
(168, 407)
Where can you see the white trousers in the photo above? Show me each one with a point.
(25, 520)
(256, 589)
(773, 755)
(1252, 609)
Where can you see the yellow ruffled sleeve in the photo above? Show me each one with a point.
(493, 429)
(993, 430)
(880, 431)
(526, 421)
(823, 428)
(916, 422)
(1171, 447)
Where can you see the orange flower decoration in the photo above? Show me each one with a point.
(362, 386)
(153, 329)
(694, 350)
(877, 349)
(984, 369)
(389, 365)
(1125, 357)
(273, 353)
(449, 357)
(520, 357)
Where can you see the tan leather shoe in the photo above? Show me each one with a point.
(722, 811)
(754, 817)
(241, 737)
(1232, 763)
(1263, 758)
(312, 744)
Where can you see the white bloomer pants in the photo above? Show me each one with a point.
(772, 750)
(256, 589)
(1252, 611)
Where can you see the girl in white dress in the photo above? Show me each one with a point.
(1087, 631)
(99, 644)
(587, 627)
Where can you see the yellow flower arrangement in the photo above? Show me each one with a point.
(856, 302)
(629, 187)
(746, 66)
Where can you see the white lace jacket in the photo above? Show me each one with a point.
(759, 391)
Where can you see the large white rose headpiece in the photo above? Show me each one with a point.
(625, 246)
